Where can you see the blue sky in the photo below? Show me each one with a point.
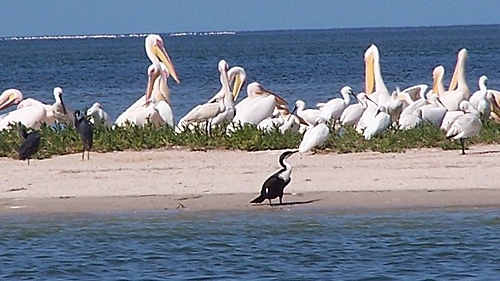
(71, 17)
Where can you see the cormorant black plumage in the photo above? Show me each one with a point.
(30, 145)
(84, 128)
(275, 184)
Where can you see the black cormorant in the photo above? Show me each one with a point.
(275, 184)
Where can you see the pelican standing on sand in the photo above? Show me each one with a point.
(275, 184)
(156, 53)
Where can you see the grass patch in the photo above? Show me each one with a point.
(58, 140)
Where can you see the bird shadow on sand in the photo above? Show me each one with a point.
(289, 203)
(483, 152)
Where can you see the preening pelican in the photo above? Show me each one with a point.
(465, 126)
(315, 136)
(30, 117)
(10, 97)
(258, 106)
(98, 116)
(379, 124)
(333, 108)
(155, 50)
(458, 90)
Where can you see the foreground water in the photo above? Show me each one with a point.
(280, 244)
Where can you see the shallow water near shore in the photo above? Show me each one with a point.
(276, 243)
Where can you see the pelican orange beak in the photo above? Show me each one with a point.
(10, 100)
(369, 74)
(162, 55)
(238, 84)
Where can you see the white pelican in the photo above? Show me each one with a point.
(379, 124)
(258, 106)
(309, 115)
(155, 50)
(142, 111)
(30, 117)
(315, 136)
(58, 111)
(237, 76)
(437, 78)
(207, 111)
(373, 77)
(98, 116)
(351, 114)
(465, 126)
(10, 97)
(458, 90)
(495, 106)
(333, 108)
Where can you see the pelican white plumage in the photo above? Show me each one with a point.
(465, 126)
(98, 116)
(29, 116)
(379, 124)
(207, 111)
(10, 97)
(458, 90)
(258, 106)
(142, 111)
(315, 136)
(237, 76)
(156, 52)
(333, 108)
(437, 78)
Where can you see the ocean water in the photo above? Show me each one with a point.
(277, 244)
(312, 65)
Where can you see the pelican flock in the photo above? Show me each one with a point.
(455, 111)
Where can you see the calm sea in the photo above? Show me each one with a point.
(310, 65)
(277, 244)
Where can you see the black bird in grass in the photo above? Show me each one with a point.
(275, 184)
(30, 145)
(84, 128)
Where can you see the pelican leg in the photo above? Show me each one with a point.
(463, 146)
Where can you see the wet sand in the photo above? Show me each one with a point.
(227, 180)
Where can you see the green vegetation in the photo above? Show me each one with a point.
(59, 140)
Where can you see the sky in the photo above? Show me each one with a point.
(73, 17)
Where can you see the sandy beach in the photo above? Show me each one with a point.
(227, 180)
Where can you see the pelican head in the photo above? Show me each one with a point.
(437, 77)
(58, 93)
(371, 57)
(460, 66)
(156, 53)
(256, 89)
(238, 75)
(10, 97)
